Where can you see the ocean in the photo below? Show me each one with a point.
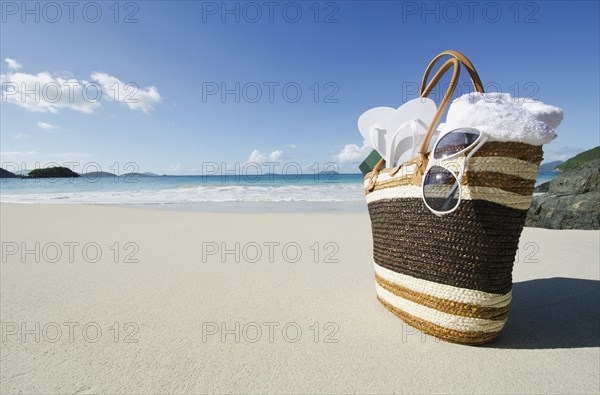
(181, 190)
(545, 176)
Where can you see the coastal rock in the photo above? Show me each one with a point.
(582, 179)
(542, 187)
(572, 200)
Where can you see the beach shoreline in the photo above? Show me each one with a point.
(258, 207)
(343, 192)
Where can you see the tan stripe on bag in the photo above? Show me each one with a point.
(444, 305)
(468, 337)
(502, 181)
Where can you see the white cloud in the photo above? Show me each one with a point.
(45, 92)
(136, 98)
(19, 135)
(258, 157)
(292, 145)
(276, 156)
(18, 153)
(352, 153)
(12, 64)
(45, 125)
(52, 92)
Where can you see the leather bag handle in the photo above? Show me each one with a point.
(463, 60)
(426, 89)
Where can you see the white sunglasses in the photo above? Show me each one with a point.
(441, 189)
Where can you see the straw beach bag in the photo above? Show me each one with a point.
(450, 276)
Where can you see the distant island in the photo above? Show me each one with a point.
(97, 174)
(65, 172)
(7, 174)
(550, 166)
(580, 159)
(49, 172)
(52, 172)
(22, 172)
(133, 174)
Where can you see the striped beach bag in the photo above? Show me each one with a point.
(450, 276)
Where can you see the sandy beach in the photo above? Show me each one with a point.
(100, 299)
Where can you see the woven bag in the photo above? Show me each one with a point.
(451, 276)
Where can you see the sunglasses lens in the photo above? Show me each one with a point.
(455, 141)
(440, 189)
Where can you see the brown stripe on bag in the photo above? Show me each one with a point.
(473, 248)
(446, 334)
(502, 181)
(444, 305)
(521, 151)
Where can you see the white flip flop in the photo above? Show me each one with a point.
(373, 126)
(406, 129)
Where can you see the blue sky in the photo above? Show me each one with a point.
(346, 57)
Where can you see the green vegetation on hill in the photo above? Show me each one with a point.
(52, 172)
(580, 159)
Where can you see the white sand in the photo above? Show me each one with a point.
(551, 342)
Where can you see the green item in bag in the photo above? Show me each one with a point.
(369, 164)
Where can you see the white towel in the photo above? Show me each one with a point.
(504, 118)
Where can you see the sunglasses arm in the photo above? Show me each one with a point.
(462, 170)
(469, 155)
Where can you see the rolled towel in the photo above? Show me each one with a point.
(504, 118)
(551, 115)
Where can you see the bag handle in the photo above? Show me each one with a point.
(463, 60)
(426, 88)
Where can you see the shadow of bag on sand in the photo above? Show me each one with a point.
(553, 313)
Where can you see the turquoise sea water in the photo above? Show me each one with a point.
(167, 190)
(545, 176)
(184, 189)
